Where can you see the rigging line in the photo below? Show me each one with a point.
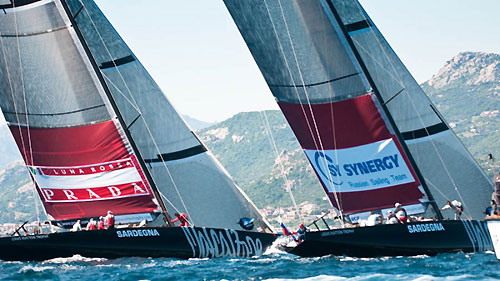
(121, 93)
(308, 100)
(296, 90)
(372, 32)
(25, 105)
(292, 79)
(331, 95)
(442, 194)
(267, 128)
(334, 136)
(282, 51)
(146, 125)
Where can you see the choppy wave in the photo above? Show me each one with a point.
(274, 266)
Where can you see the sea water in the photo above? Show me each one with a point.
(273, 266)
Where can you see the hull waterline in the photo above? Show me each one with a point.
(419, 238)
(176, 242)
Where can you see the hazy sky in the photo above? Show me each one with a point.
(197, 56)
(195, 53)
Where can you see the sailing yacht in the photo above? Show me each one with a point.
(370, 133)
(97, 135)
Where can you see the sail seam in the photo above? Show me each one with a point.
(26, 34)
(315, 84)
(55, 114)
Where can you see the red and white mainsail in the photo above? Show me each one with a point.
(95, 129)
(78, 156)
(359, 172)
(84, 171)
(351, 103)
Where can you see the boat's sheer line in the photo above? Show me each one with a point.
(146, 125)
(56, 114)
(372, 32)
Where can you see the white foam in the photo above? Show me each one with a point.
(75, 258)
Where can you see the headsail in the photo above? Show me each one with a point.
(327, 65)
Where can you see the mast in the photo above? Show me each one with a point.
(385, 109)
(117, 112)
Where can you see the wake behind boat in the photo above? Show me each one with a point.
(97, 134)
(372, 136)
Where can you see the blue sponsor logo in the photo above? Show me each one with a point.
(334, 170)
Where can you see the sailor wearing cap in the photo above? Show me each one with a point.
(400, 213)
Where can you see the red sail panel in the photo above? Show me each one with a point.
(84, 171)
(354, 154)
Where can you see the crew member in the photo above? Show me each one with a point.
(391, 218)
(100, 225)
(77, 226)
(301, 232)
(373, 219)
(455, 206)
(182, 218)
(491, 209)
(91, 225)
(497, 188)
(110, 220)
(400, 213)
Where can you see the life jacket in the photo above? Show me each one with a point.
(110, 220)
(92, 226)
(101, 225)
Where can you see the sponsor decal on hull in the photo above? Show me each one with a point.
(479, 235)
(209, 243)
(29, 237)
(137, 233)
(425, 227)
(365, 167)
